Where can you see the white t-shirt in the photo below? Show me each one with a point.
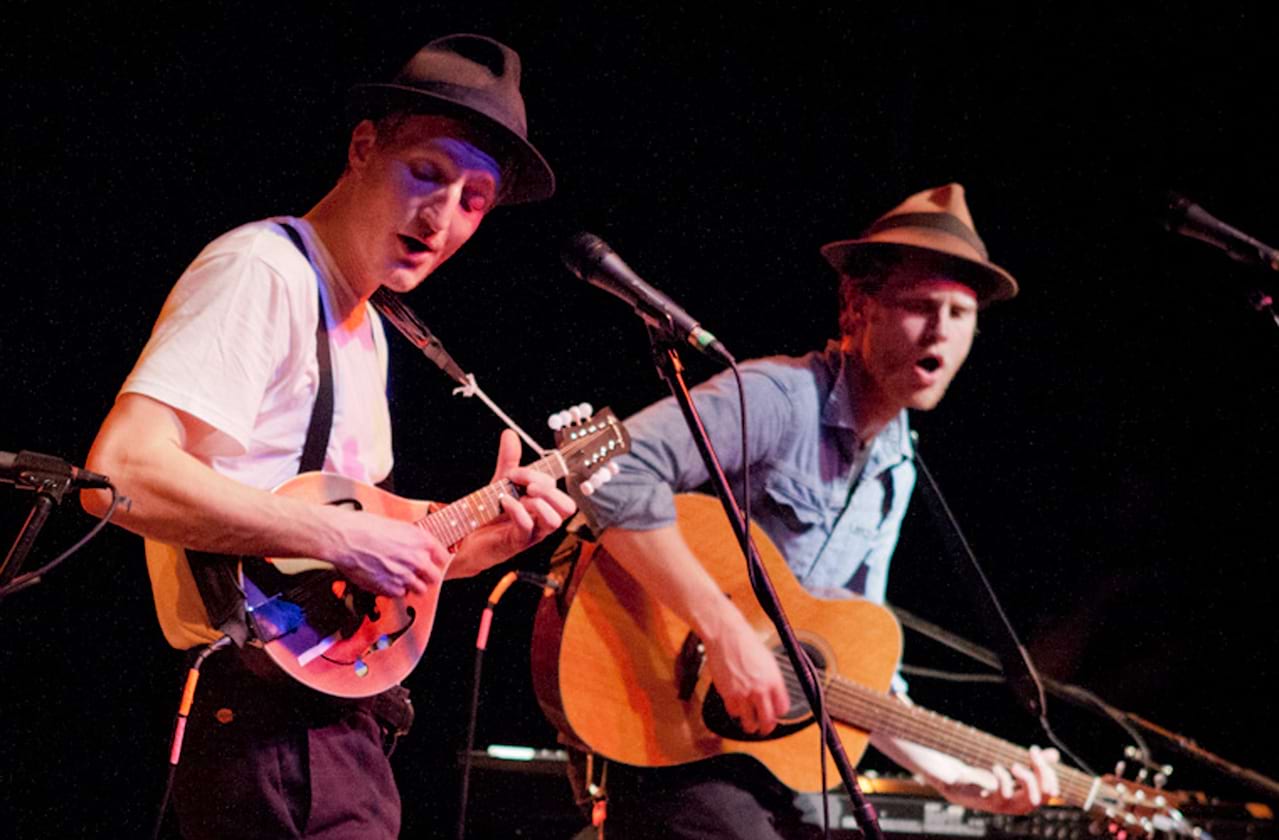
(234, 346)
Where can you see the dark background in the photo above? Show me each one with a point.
(1108, 449)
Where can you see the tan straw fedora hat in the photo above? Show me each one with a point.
(933, 224)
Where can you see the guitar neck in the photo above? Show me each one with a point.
(876, 712)
(452, 523)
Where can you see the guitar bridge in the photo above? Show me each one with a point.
(688, 665)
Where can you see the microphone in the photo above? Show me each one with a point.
(26, 469)
(587, 256)
(1189, 219)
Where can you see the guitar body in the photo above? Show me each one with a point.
(620, 674)
(616, 670)
(334, 649)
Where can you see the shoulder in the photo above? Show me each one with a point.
(795, 376)
(261, 245)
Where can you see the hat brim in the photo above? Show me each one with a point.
(989, 281)
(527, 174)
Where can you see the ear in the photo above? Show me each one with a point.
(363, 140)
(853, 304)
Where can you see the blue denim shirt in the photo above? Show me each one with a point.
(836, 525)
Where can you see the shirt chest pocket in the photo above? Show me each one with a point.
(795, 505)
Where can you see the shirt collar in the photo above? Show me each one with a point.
(893, 444)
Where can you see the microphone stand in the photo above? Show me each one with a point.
(670, 369)
(49, 490)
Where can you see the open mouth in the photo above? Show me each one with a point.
(414, 245)
(929, 364)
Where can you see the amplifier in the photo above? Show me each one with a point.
(907, 810)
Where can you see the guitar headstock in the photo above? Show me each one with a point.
(588, 442)
(1131, 809)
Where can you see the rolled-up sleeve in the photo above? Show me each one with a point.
(664, 459)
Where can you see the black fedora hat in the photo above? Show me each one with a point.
(477, 80)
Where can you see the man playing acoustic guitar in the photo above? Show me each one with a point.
(268, 344)
(831, 475)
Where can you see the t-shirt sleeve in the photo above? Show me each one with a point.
(221, 335)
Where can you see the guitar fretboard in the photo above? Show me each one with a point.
(875, 711)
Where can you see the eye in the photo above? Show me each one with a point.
(916, 307)
(427, 171)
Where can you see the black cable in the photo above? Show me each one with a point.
(33, 577)
(179, 728)
(1027, 686)
(756, 585)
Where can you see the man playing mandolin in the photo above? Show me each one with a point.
(266, 345)
(831, 475)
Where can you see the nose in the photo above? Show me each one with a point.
(441, 204)
(938, 326)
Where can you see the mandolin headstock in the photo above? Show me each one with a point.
(588, 442)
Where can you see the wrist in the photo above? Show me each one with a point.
(720, 619)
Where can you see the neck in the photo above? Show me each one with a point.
(872, 408)
(328, 219)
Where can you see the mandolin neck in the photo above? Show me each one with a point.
(453, 522)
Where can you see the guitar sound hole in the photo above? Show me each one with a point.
(799, 708)
(715, 714)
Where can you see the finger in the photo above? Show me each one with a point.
(545, 518)
(743, 712)
(767, 720)
(1003, 781)
(427, 568)
(508, 454)
(1029, 782)
(518, 514)
(552, 495)
(1043, 762)
(781, 699)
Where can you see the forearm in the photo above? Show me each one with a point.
(663, 563)
(175, 498)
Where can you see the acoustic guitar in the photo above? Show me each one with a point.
(342, 640)
(618, 672)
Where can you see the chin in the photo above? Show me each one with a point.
(404, 281)
(925, 401)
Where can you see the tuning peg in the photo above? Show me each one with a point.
(569, 416)
(599, 479)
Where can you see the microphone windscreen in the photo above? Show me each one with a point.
(583, 252)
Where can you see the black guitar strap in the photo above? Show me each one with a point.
(214, 574)
(317, 433)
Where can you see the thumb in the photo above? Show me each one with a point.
(508, 454)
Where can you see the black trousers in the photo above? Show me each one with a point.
(264, 757)
(727, 798)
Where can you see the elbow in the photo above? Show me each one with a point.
(96, 502)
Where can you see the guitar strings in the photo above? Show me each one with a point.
(970, 744)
